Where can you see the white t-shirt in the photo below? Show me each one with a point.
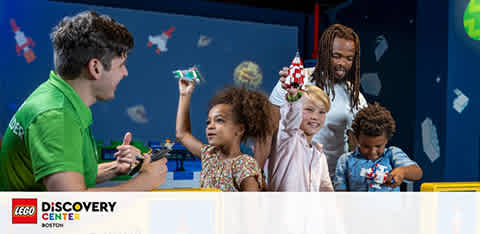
(333, 134)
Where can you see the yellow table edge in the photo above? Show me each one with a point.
(450, 186)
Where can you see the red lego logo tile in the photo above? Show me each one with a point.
(24, 210)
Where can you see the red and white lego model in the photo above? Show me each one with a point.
(377, 174)
(23, 43)
(296, 73)
(160, 40)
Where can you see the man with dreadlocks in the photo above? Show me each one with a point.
(338, 73)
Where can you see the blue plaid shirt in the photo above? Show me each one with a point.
(350, 171)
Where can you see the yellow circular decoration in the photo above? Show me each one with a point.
(248, 74)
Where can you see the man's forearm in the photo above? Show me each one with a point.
(106, 171)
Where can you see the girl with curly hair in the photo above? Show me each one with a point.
(235, 115)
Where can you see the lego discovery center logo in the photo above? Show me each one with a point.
(54, 214)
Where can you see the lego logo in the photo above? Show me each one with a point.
(24, 211)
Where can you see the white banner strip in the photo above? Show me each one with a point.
(229, 213)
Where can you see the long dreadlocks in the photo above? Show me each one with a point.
(322, 75)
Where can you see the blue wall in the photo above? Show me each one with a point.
(212, 9)
(150, 82)
(462, 148)
(444, 50)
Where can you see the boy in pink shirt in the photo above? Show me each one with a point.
(298, 164)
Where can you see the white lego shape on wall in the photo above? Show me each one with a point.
(381, 48)
(460, 102)
(138, 114)
(371, 83)
(430, 142)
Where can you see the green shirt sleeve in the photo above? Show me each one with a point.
(54, 140)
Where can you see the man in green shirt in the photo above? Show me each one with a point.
(48, 144)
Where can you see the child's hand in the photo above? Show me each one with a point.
(185, 87)
(397, 175)
(283, 77)
(293, 91)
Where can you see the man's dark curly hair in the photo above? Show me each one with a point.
(250, 108)
(87, 35)
(374, 120)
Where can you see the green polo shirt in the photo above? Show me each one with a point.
(49, 133)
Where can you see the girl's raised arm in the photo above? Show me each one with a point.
(183, 130)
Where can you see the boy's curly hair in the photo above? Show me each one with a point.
(250, 108)
(374, 120)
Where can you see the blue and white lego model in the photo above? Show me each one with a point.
(191, 74)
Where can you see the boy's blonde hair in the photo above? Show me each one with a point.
(317, 95)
